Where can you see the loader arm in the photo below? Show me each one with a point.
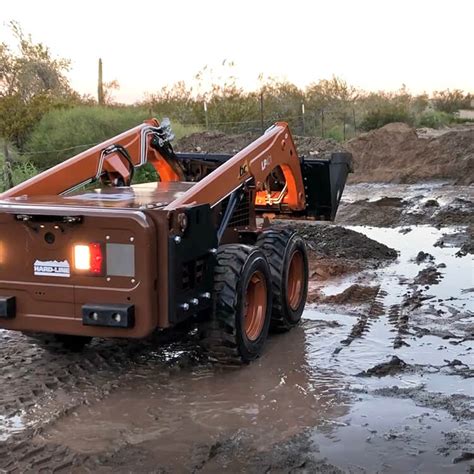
(115, 158)
(275, 149)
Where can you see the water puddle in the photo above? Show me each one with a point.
(311, 380)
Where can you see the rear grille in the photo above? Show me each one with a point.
(241, 215)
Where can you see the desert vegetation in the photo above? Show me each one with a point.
(44, 121)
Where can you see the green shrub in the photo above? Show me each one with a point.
(21, 171)
(435, 119)
(335, 133)
(388, 113)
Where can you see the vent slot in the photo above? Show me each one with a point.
(192, 274)
(241, 214)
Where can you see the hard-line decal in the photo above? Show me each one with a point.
(52, 268)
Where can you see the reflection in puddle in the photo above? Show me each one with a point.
(275, 399)
(10, 425)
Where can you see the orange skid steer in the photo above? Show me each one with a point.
(84, 252)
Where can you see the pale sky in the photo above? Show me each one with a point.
(427, 45)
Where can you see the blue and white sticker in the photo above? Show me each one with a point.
(52, 268)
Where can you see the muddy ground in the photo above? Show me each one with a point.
(377, 378)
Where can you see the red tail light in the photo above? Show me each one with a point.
(96, 258)
(89, 258)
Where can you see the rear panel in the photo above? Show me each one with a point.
(40, 275)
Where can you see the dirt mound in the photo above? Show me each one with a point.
(393, 366)
(219, 142)
(214, 142)
(428, 276)
(355, 294)
(334, 241)
(396, 153)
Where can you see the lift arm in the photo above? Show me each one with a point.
(115, 159)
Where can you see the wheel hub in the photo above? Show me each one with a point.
(255, 306)
(295, 280)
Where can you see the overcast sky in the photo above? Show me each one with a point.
(144, 44)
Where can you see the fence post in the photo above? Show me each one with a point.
(261, 112)
(322, 123)
(354, 119)
(303, 118)
(7, 166)
(205, 115)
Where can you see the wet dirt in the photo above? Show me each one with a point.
(404, 205)
(378, 377)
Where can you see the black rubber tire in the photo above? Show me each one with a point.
(279, 244)
(225, 337)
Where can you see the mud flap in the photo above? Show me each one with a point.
(7, 307)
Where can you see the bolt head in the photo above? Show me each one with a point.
(177, 239)
(185, 306)
(206, 295)
(194, 301)
(94, 316)
(213, 251)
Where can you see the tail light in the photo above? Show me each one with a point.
(89, 258)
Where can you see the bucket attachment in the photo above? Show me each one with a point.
(324, 179)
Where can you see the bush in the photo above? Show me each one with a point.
(21, 171)
(335, 133)
(386, 114)
(435, 119)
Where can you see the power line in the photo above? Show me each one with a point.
(58, 151)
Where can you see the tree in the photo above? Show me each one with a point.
(32, 81)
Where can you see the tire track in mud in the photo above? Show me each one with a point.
(28, 457)
(54, 381)
(396, 311)
(365, 320)
(398, 317)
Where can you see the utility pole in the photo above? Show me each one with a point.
(261, 112)
(100, 85)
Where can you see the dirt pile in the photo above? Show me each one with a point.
(334, 241)
(214, 142)
(219, 142)
(393, 366)
(355, 294)
(396, 153)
